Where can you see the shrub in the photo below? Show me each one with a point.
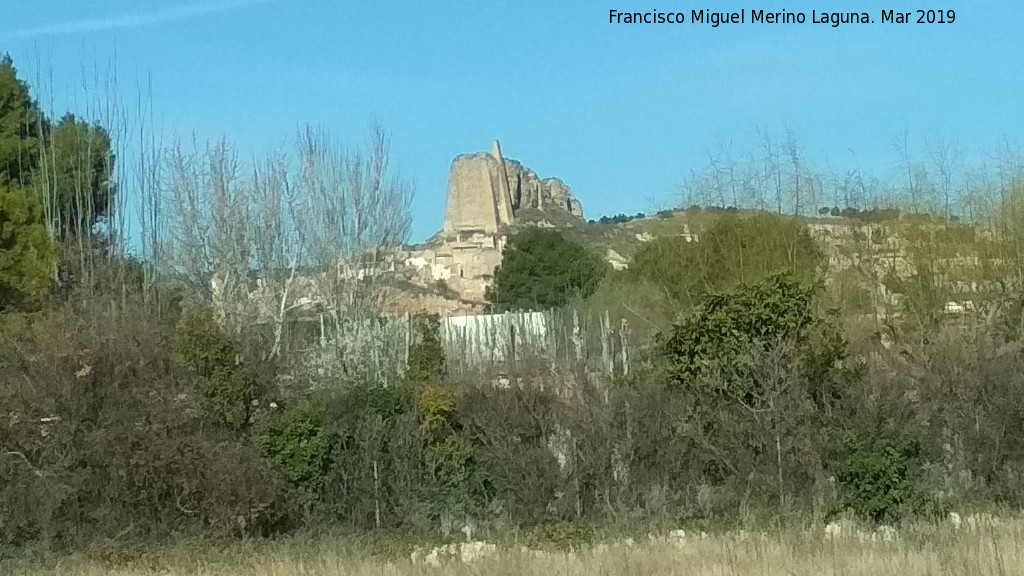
(297, 443)
(426, 357)
(509, 428)
(435, 406)
(760, 373)
(873, 470)
(28, 256)
(455, 483)
(224, 383)
(372, 472)
(722, 344)
(108, 442)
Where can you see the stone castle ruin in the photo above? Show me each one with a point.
(486, 194)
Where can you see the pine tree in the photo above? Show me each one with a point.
(80, 183)
(27, 252)
(540, 268)
(19, 128)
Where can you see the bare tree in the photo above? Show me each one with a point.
(276, 249)
(352, 210)
(209, 247)
(914, 171)
(727, 172)
(697, 189)
(308, 234)
(1009, 168)
(147, 169)
(771, 169)
(295, 239)
(796, 160)
(753, 184)
(75, 176)
(946, 158)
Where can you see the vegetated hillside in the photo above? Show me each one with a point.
(874, 261)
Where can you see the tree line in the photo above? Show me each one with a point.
(773, 173)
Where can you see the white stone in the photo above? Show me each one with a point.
(955, 520)
(472, 551)
(887, 533)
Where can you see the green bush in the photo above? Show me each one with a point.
(426, 357)
(455, 483)
(874, 473)
(509, 428)
(28, 255)
(298, 442)
(760, 374)
(374, 464)
(725, 342)
(224, 383)
(435, 406)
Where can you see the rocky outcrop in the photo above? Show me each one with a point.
(486, 190)
(527, 190)
(478, 194)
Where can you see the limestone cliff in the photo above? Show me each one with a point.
(478, 195)
(486, 190)
(527, 190)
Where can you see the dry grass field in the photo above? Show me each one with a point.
(991, 548)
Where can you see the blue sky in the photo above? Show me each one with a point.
(620, 112)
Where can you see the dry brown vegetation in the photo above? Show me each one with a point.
(991, 549)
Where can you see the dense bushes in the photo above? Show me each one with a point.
(757, 409)
(672, 274)
(733, 250)
(121, 419)
(102, 437)
(298, 444)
